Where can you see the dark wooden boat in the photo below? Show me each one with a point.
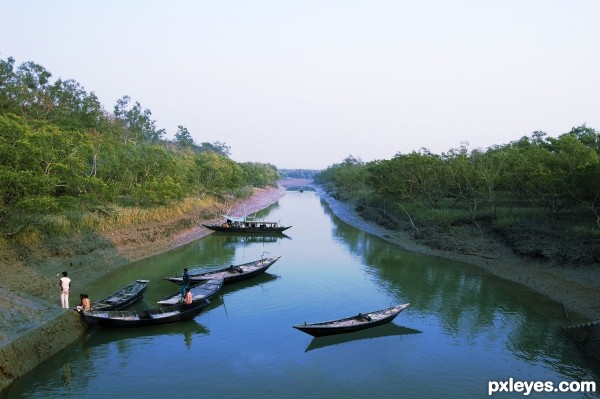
(246, 224)
(144, 318)
(352, 323)
(256, 228)
(204, 290)
(126, 296)
(229, 274)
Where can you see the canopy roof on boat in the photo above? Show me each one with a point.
(244, 218)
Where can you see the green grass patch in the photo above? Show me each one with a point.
(583, 232)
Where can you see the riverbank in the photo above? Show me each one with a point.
(575, 287)
(33, 327)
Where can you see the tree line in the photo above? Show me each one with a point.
(60, 149)
(549, 174)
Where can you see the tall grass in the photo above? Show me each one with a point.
(125, 216)
(102, 219)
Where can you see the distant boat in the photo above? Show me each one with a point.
(204, 290)
(246, 224)
(144, 318)
(230, 273)
(352, 323)
(126, 296)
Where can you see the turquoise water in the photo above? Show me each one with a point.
(462, 329)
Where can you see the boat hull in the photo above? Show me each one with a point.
(353, 323)
(253, 230)
(145, 318)
(123, 298)
(203, 290)
(232, 273)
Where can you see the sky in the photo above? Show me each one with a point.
(303, 84)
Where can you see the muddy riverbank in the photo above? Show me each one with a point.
(33, 327)
(576, 287)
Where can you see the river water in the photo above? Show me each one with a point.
(463, 328)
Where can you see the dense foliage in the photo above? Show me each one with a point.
(60, 150)
(299, 173)
(538, 172)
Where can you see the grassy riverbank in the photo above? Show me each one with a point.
(29, 296)
(29, 300)
(508, 257)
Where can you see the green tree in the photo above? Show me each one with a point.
(137, 123)
(183, 137)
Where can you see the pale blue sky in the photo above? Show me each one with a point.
(305, 83)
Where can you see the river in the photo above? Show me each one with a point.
(462, 330)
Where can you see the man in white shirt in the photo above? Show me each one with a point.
(65, 286)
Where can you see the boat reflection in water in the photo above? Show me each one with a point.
(234, 240)
(253, 282)
(386, 330)
(123, 337)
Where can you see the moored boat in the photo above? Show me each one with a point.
(203, 290)
(352, 323)
(145, 318)
(246, 224)
(229, 274)
(126, 296)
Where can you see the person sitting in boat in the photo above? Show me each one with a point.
(188, 297)
(185, 281)
(362, 317)
(233, 269)
(85, 304)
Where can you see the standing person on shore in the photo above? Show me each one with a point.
(65, 286)
(185, 282)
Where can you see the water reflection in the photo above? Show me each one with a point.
(66, 374)
(467, 305)
(461, 330)
(386, 330)
(263, 278)
(126, 339)
(235, 240)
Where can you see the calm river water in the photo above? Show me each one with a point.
(462, 329)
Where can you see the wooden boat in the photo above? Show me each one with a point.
(204, 290)
(126, 296)
(246, 224)
(229, 274)
(352, 323)
(144, 318)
